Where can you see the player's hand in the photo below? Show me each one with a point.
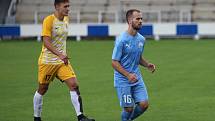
(151, 67)
(132, 77)
(64, 58)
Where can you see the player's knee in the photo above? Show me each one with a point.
(72, 84)
(42, 91)
(144, 105)
(128, 109)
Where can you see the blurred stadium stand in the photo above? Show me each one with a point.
(4, 6)
(111, 11)
(162, 18)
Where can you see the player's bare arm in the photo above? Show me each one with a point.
(48, 45)
(117, 66)
(151, 67)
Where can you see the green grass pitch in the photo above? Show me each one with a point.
(181, 89)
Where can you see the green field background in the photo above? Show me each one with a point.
(181, 89)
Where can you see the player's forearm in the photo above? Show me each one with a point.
(48, 45)
(116, 65)
(144, 62)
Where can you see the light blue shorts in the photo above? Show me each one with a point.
(128, 96)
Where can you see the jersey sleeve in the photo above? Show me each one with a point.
(47, 26)
(117, 51)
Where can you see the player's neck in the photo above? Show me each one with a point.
(58, 16)
(132, 31)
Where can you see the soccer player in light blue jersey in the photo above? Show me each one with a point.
(126, 58)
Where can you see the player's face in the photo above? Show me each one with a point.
(63, 8)
(136, 22)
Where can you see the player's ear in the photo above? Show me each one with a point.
(130, 20)
(57, 6)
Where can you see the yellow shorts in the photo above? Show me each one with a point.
(47, 72)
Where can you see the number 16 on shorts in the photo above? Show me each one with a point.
(127, 101)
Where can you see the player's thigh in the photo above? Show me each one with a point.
(139, 93)
(65, 72)
(46, 73)
(125, 96)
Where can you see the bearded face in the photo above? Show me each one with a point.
(136, 21)
(136, 26)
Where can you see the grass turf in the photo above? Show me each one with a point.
(181, 89)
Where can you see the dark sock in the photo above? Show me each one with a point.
(80, 116)
(37, 119)
(137, 112)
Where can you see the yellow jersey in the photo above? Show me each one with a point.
(57, 30)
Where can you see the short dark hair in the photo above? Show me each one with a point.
(129, 13)
(60, 1)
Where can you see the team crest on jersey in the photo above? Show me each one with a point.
(140, 45)
(127, 45)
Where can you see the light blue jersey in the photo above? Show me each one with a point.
(127, 50)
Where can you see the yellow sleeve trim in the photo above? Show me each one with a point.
(47, 26)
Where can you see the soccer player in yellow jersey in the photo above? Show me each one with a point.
(53, 61)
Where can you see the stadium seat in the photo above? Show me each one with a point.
(89, 9)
